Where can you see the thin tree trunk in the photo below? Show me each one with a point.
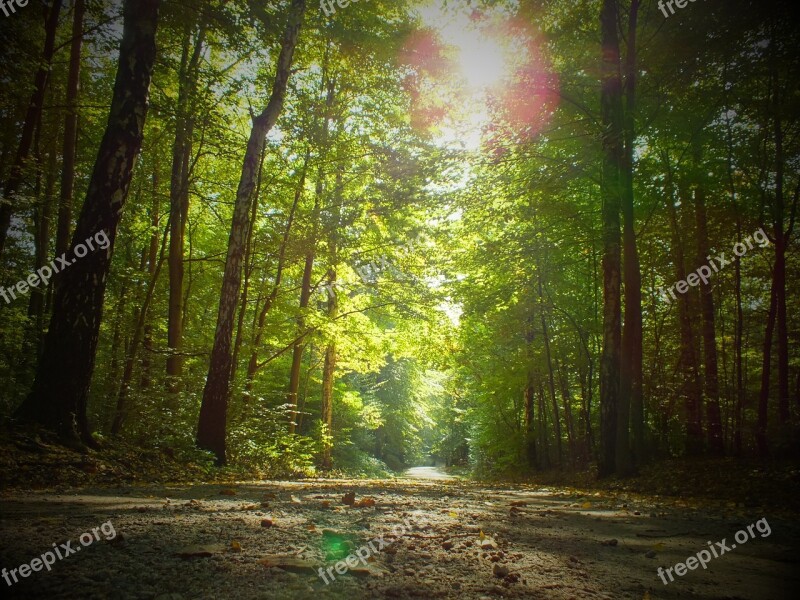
(550, 376)
(329, 369)
(612, 141)
(151, 264)
(70, 150)
(305, 291)
(59, 395)
(766, 373)
(631, 405)
(252, 365)
(692, 386)
(711, 369)
(133, 349)
(179, 201)
(42, 218)
(248, 261)
(212, 426)
(32, 118)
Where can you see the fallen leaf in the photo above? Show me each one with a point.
(365, 503)
(266, 523)
(349, 498)
(453, 514)
(236, 546)
(586, 505)
(288, 563)
(296, 500)
(227, 492)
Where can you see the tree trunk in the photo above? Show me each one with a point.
(631, 405)
(133, 349)
(252, 365)
(179, 200)
(60, 390)
(42, 219)
(248, 270)
(305, 296)
(211, 429)
(766, 372)
(612, 141)
(70, 132)
(153, 261)
(305, 291)
(550, 376)
(711, 369)
(329, 369)
(692, 388)
(32, 118)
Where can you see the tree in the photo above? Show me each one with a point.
(59, 395)
(211, 429)
(611, 105)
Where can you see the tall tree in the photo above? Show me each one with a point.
(70, 148)
(191, 53)
(611, 192)
(631, 380)
(60, 390)
(212, 425)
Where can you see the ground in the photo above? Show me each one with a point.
(433, 536)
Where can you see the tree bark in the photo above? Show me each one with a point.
(692, 389)
(710, 362)
(612, 142)
(212, 426)
(60, 390)
(70, 149)
(631, 405)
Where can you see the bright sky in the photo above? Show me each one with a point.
(483, 60)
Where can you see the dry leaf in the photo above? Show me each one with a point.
(236, 546)
(288, 563)
(227, 492)
(365, 503)
(349, 498)
(200, 551)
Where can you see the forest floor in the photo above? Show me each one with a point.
(433, 536)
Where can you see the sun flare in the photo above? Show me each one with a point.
(482, 61)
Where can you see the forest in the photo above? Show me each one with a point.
(361, 260)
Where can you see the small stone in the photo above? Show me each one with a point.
(266, 523)
(447, 544)
(499, 570)
(650, 554)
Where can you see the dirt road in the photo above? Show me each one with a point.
(429, 537)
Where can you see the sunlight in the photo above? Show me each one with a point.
(482, 61)
(475, 70)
